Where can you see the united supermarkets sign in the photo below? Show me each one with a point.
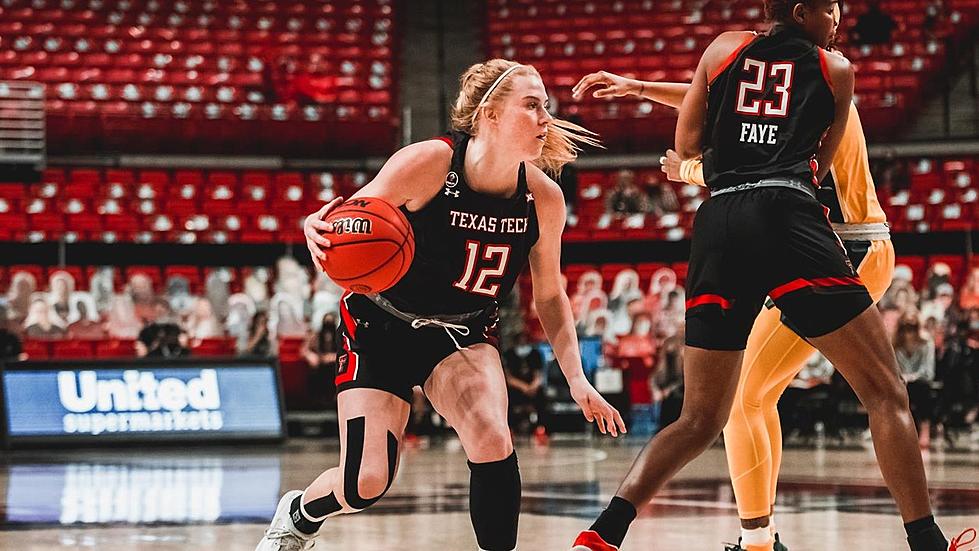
(141, 401)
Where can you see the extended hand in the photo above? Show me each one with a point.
(597, 410)
(612, 85)
(671, 165)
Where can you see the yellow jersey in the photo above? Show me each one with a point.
(855, 199)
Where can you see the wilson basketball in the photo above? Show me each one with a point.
(372, 245)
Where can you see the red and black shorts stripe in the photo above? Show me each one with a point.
(767, 242)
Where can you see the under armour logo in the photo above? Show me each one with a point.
(451, 181)
(530, 197)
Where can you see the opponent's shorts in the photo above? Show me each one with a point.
(383, 352)
(768, 242)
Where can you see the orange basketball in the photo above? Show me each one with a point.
(372, 245)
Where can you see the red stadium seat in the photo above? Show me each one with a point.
(36, 350)
(72, 349)
(214, 347)
(115, 348)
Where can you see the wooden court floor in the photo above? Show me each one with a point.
(221, 498)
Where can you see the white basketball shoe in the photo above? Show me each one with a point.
(282, 534)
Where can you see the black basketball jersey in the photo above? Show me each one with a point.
(767, 111)
(469, 247)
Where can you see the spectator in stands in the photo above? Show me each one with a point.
(958, 371)
(102, 286)
(162, 340)
(42, 323)
(666, 383)
(941, 307)
(320, 352)
(902, 279)
(798, 413)
(122, 322)
(938, 274)
(241, 310)
(626, 198)
(625, 290)
(916, 358)
(286, 317)
(588, 284)
(969, 295)
(599, 324)
(259, 342)
(202, 323)
(292, 279)
(891, 174)
(662, 197)
(671, 317)
(10, 347)
(23, 285)
(179, 297)
(595, 300)
(61, 285)
(85, 323)
(523, 368)
(256, 286)
(874, 26)
(217, 291)
(660, 284)
(140, 291)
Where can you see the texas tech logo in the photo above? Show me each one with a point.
(451, 181)
(352, 225)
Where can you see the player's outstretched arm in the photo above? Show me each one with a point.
(611, 85)
(553, 306)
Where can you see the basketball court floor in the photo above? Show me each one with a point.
(210, 499)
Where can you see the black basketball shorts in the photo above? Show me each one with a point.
(771, 242)
(383, 352)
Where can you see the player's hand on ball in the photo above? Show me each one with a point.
(313, 228)
(671, 165)
(596, 409)
(612, 85)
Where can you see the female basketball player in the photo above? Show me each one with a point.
(480, 206)
(769, 113)
(775, 352)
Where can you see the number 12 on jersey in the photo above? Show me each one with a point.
(482, 263)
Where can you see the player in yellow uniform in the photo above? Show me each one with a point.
(775, 353)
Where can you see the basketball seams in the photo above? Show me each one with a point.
(380, 265)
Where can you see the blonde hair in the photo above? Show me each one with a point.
(482, 84)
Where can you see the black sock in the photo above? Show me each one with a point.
(614, 521)
(494, 503)
(321, 507)
(925, 535)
